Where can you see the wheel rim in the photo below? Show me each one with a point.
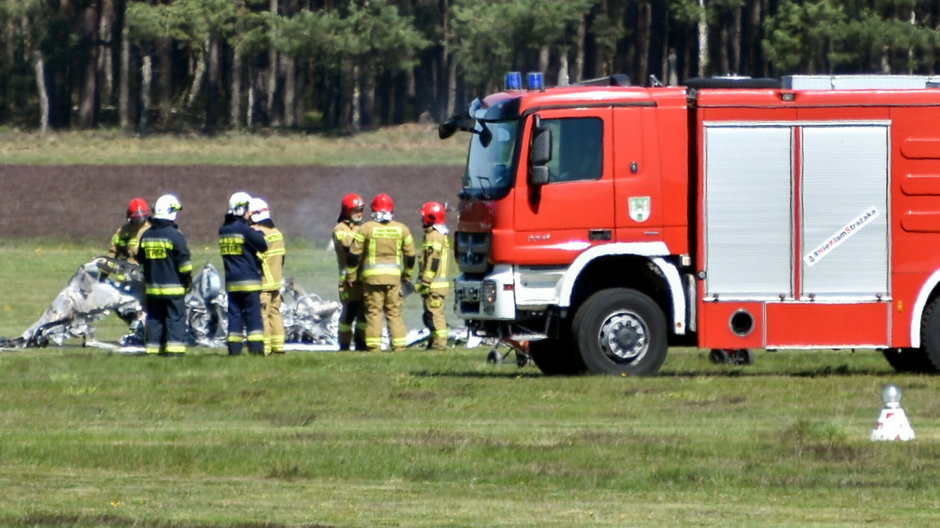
(624, 337)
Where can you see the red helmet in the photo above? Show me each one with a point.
(138, 209)
(351, 202)
(383, 203)
(432, 213)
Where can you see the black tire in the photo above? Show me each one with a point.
(556, 357)
(743, 356)
(718, 356)
(621, 331)
(930, 339)
(908, 360)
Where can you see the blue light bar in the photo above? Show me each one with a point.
(513, 81)
(535, 81)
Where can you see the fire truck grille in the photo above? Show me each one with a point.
(472, 251)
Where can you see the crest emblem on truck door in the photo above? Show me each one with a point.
(639, 208)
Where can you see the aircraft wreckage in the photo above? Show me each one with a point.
(106, 285)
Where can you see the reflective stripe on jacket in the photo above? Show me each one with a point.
(240, 246)
(381, 248)
(165, 260)
(272, 260)
(436, 247)
(343, 235)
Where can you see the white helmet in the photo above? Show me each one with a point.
(166, 207)
(238, 203)
(259, 210)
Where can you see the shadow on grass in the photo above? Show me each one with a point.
(733, 372)
(41, 520)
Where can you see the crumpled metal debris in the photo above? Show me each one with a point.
(206, 309)
(105, 285)
(310, 322)
(96, 289)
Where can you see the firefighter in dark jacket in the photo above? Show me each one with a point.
(240, 246)
(165, 259)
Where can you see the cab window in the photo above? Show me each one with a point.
(577, 149)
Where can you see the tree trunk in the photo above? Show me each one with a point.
(290, 89)
(736, 41)
(702, 40)
(88, 92)
(213, 86)
(43, 93)
(273, 75)
(124, 93)
(105, 50)
(544, 58)
(249, 114)
(164, 56)
(234, 106)
(146, 77)
(198, 75)
(563, 67)
(644, 30)
(355, 119)
(578, 73)
(369, 116)
(451, 86)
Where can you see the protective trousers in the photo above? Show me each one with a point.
(352, 324)
(435, 321)
(166, 325)
(383, 301)
(272, 321)
(244, 315)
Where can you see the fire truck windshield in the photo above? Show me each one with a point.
(490, 163)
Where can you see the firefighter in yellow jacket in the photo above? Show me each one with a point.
(272, 279)
(433, 284)
(126, 239)
(382, 255)
(351, 320)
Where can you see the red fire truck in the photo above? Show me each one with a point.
(603, 222)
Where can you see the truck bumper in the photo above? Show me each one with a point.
(489, 299)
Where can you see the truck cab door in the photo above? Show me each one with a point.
(557, 219)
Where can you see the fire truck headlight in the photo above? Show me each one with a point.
(489, 292)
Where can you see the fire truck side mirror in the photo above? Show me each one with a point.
(540, 154)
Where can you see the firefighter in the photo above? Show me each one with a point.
(240, 246)
(351, 318)
(272, 266)
(383, 256)
(126, 239)
(124, 245)
(165, 259)
(432, 279)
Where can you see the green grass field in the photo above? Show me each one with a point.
(426, 439)
(402, 145)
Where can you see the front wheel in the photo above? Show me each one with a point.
(621, 331)
(556, 357)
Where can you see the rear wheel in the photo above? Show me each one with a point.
(912, 360)
(930, 341)
(621, 331)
